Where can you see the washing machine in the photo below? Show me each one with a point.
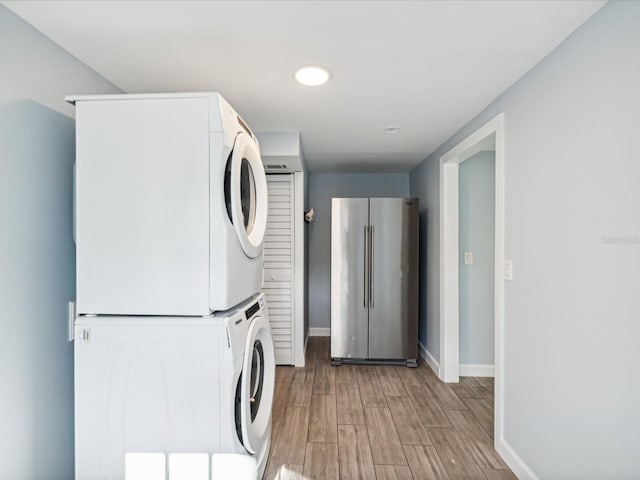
(170, 205)
(170, 385)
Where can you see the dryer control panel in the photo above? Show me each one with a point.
(253, 309)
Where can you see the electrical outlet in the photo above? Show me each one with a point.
(508, 269)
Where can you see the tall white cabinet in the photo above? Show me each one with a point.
(285, 245)
(284, 272)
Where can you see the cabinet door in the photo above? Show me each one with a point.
(279, 266)
(349, 299)
(393, 285)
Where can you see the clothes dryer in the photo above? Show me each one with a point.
(172, 385)
(170, 205)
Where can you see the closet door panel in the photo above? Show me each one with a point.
(278, 265)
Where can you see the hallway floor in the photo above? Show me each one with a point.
(384, 422)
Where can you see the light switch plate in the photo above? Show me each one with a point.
(508, 269)
(468, 258)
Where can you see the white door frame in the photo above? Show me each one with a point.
(449, 245)
(299, 273)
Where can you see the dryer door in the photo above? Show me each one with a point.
(258, 383)
(248, 195)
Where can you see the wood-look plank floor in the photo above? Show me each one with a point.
(384, 422)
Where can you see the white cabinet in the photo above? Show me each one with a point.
(284, 266)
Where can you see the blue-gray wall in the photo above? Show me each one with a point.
(572, 229)
(476, 233)
(322, 188)
(37, 254)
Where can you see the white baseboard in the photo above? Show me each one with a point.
(304, 352)
(429, 359)
(319, 332)
(477, 370)
(521, 470)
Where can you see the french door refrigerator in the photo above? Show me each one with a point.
(374, 280)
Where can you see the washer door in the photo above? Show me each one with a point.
(258, 383)
(247, 195)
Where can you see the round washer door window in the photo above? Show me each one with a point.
(248, 195)
(258, 383)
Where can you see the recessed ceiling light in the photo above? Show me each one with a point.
(391, 129)
(312, 76)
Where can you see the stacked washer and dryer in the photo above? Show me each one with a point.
(174, 360)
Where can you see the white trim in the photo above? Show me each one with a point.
(498, 298)
(449, 322)
(428, 358)
(319, 332)
(422, 350)
(476, 370)
(520, 469)
(298, 269)
(449, 325)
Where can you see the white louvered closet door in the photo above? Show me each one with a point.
(279, 265)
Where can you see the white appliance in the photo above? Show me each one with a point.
(167, 385)
(170, 207)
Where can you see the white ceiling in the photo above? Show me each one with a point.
(427, 67)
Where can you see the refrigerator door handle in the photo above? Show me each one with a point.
(371, 284)
(365, 293)
(75, 208)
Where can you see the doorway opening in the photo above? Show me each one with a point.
(476, 260)
(492, 133)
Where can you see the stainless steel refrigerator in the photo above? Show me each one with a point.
(374, 280)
